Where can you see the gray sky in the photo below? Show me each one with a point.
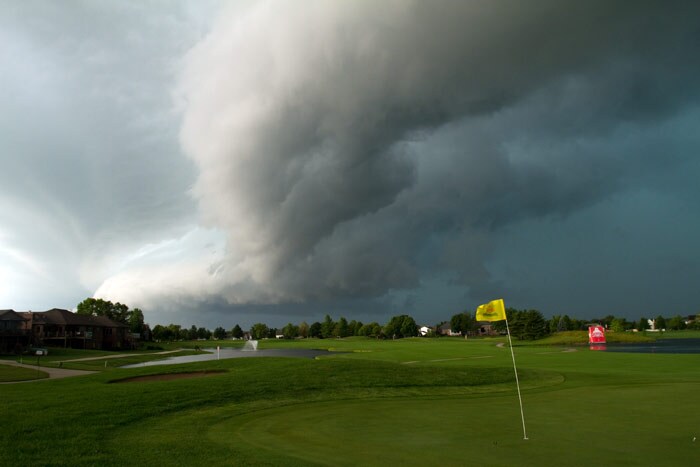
(221, 163)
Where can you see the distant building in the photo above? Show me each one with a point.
(485, 328)
(446, 330)
(62, 328)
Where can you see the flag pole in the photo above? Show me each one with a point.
(517, 383)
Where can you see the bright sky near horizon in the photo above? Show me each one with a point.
(233, 162)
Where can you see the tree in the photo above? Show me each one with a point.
(327, 327)
(220, 333)
(560, 323)
(694, 324)
(527, 324)
(676, 323)
(203, 333)
(303, 329)
(409, 327)
(660, 322)
(462, 323)
(259, 331)
(290, 331)
(160, 333)
(400, 326)
(315, 330)
(341, 328)
(237, 332)
(643, 324)
(99, 307)
(617, 325)
(354, 328)
(136, 324)
(372, 329)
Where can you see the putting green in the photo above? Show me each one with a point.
(612, 428)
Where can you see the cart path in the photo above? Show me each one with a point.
(121, 355)
(54, 373)
(57, 373)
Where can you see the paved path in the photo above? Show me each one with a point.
(104, 357)
(54, 373)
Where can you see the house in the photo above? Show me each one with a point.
(13, 334)
(485, 328)
(62, 328)
(446, 330)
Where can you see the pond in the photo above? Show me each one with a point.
(232, 353)
(658, 346)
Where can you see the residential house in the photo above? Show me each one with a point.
(13, 334)
(446, 330)
(485, 328)
(62, 328)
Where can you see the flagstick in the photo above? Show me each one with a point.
(517, 383)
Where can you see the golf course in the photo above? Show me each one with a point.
(447, 401)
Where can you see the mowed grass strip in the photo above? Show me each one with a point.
(10, 373)
(612, 428)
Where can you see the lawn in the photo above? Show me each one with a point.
(14, 373)
(412, 402)
(98, 360)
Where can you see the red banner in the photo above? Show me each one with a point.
(596, 335)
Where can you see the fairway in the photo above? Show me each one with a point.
(408, 402)
(609, 427)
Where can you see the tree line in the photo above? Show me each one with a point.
(115, 311)
(523, 325)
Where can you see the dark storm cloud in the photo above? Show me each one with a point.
(394, 156)
(353, 148)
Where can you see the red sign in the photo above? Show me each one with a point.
(596, 335)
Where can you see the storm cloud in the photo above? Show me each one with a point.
(346, 148)
(413, 155)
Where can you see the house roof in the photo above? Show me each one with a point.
(65, 317)
(10, 315)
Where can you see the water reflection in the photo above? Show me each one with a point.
(658, 346)
(232, 353)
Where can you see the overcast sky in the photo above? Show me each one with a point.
(273, 161)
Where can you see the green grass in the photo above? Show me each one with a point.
(581, 338)
(411, 401)
(14, 373)
(99, 360)
(685, 334)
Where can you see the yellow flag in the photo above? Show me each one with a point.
(491, 311)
